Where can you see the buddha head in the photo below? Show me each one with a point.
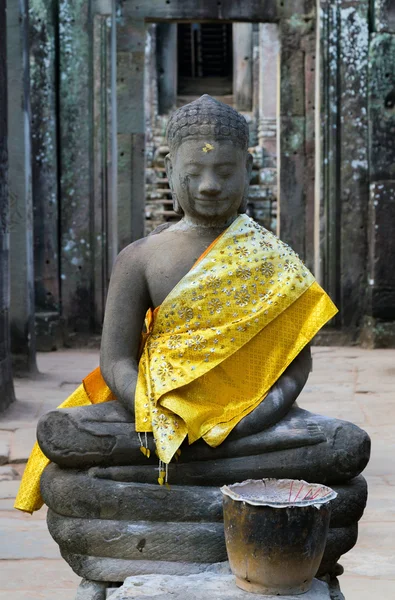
(208, 165)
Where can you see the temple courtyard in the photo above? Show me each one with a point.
(348, 383)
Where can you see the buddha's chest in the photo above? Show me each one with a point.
(169, 264)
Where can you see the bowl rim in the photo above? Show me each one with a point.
(229, 490)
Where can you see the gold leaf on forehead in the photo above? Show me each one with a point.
(207, 148)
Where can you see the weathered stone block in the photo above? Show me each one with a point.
(102, 7)
(350, 503)
(268, 176)
(108, 499)
(20, 190)
(136, 540)
(165, 68)
(377, 334)
(382, 106)
(292, 90)
(75, 97)
(352, 131)
(340, 540)
(382, 250)
(118, 569)
(201, 587)
(106, 531)
(44, 149)
(91, 590)
(131, 128)
(242, 66)
(384, 15)
(291, 183)
(49, 331)
(6, 384)
(130, 91)
(249, 10)
(131, 185)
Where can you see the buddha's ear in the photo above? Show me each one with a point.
(169, 170)
(249, 162)
(244, 202)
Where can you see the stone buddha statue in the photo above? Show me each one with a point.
(211, 394)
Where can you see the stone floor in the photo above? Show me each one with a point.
(348, 383)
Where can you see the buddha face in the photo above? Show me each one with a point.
(209, 178)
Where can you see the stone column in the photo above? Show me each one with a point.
(292, 122)
(102, 166)
(255, 82)
(269, 48)
(342, 235)
(309, 46)
(242, 66)
(130, 127)
(167, 66)
(384, 16)
(76, 164)
(379, 325)
(151, 95)
(6, 384)
(42, 25)
(105, 147)
(327, 236)
(20, 189)
(352, 137)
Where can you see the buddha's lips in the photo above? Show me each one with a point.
(211, 199)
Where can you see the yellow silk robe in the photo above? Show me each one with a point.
(216, 345)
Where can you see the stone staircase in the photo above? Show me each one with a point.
(159, 204)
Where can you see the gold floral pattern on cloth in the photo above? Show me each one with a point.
(224, 335)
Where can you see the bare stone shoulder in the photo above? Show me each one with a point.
(132, 262)
(132, 259)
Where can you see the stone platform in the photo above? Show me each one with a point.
(203, 586)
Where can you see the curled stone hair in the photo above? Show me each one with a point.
(209, 119)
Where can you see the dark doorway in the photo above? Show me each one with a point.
(205, 62)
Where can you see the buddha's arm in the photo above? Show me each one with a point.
(127, 303)
(279, 399)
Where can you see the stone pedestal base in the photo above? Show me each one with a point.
(216, 584)
(204, 586)
(97, 590)
(106, 529)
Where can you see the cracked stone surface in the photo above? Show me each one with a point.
(204, 586)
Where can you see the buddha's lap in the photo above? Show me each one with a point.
(70, 439)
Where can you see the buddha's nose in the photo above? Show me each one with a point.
(209, 186)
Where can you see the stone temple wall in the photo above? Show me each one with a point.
(322, 139)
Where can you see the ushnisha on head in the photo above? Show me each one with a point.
(207, 118)
(208, 165)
